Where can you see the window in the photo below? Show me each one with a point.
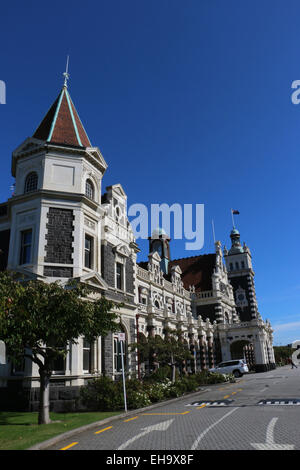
(18, 366)
(86, 356)
(89, 189)
(88, 251)
(59, 363)
(243, 265)
(119, 276)
(31, 182)
(26, 243)
(236, 265)
(231, 266)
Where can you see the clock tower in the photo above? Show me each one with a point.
(241, 275)
(159, 242)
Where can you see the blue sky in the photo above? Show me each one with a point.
(189, 102)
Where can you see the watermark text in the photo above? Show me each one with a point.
(2, 92)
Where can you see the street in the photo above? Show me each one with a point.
(259, 412)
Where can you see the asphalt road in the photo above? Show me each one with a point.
(258, 412)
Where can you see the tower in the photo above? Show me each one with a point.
(56, 209)
(160, 242)
(241, 275)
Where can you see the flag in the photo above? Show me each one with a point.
(235, 211)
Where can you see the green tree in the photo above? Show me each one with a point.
(170, 350)
(39, 320)
(282, 353)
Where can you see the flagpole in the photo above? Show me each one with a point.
(232, 218)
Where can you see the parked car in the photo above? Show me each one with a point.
(237, 367)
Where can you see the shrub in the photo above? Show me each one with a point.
(158, 391)
(190, 383)
(102, 394)
(216, 378)
(136, 395)
(137, 399)
(161, 374)
(174, 391)
(202, 377)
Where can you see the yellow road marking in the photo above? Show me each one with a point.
(239, 389)
(227, 396)
(164, 414)
(233, 393)
(202, 406)
(102, 430)
(70, 445)
(130, 419)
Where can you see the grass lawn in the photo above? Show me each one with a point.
(20, 430)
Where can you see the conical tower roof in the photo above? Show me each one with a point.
(62, 124)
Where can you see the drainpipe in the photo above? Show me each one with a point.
(137, 340)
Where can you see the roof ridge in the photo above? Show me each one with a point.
(189, 257)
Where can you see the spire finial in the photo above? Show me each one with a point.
(66, 74)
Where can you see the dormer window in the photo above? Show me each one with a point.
(31, 182)
(89, 189)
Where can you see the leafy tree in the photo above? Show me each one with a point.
(42, 319)
(282, 353)
(168, 351)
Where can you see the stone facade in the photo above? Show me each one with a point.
(59, 236)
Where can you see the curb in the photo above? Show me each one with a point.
(60, 437)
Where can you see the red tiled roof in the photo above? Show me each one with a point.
(196, 270)
(62, 124)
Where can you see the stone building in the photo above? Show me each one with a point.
(59, 225)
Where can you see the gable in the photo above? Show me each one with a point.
(94, 279)
(122, 250)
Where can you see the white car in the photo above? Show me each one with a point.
(237, 367)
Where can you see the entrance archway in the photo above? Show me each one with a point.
(243, 349)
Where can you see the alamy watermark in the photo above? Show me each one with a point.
(188, 222)
(2, 92)
(295, 345)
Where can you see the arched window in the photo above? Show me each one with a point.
(89, 189)
(31, 182)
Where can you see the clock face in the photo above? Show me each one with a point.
(241, 296)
